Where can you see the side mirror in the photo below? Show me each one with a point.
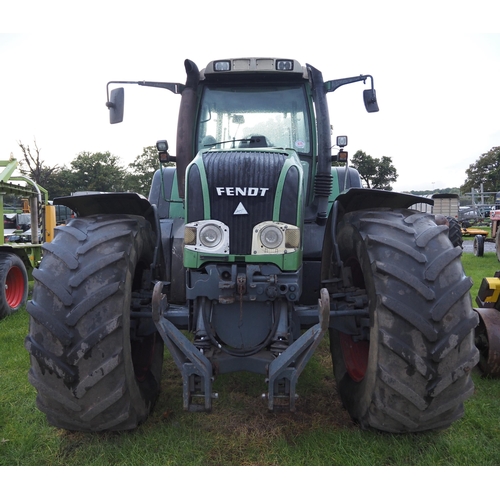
(370, 98)
(116, 105)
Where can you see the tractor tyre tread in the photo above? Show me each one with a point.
(80, 327)
(455, 232)
(421, 323)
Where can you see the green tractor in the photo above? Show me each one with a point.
(243, 256)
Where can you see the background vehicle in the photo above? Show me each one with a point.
(236, 245)
(20, 253)
(445, 208)
(487, 333)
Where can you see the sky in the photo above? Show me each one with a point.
(437, 80)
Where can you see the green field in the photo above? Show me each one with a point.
(239, 430)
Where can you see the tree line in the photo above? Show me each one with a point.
(91, 172)
(485, 171)
(103, 172)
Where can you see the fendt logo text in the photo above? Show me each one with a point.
(241, 191)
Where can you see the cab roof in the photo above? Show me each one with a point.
(222, 69)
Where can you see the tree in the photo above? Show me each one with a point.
(60, 183)
(32, 166)
(377, 173)
(96, 172)
(425, 192)
(143, 169)
(53, 179)
(485, 171)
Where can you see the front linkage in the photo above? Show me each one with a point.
(198, 370)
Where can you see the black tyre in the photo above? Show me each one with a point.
(455, 232)
(13, 284)
(412, 372)
(94, 367)
(478, 245)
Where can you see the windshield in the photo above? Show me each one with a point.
(254, 117)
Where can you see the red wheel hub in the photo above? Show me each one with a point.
(14, 287)
(355, 356)
(355, 353)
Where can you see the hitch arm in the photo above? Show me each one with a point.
(195, 368)
(287, 367)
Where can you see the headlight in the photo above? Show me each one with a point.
(209, 236)
(271, 236)
(275, 238)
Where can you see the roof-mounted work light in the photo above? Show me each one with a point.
(162, 147)
(284, 65)
(342, 141)
(222, 65)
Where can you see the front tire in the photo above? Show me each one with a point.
(94, 367)
(412, 372)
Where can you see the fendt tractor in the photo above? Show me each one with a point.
(244, 255)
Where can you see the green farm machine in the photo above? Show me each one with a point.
(243, 257)
(20, 245)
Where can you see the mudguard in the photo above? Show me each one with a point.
(109, 203)
(358, 199)
(363, 199)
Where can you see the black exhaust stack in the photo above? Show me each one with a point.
(323, 180)
(185, 125)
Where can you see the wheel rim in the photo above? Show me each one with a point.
(14, 287)
(355, 354)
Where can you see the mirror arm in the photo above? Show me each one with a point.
(333, 85)
(176, 88)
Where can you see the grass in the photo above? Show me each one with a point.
(239, 430)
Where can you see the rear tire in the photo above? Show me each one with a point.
(94, 367)
(13, 284)
(413, 374)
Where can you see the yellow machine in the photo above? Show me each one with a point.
(487, 333)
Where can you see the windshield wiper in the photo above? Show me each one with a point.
(249, 140)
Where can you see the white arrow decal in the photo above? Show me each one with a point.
(240, 210)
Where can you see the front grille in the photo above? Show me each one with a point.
(242, 169)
